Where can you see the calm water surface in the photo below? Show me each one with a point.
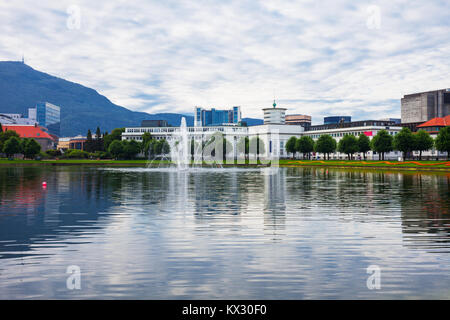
(299, 234)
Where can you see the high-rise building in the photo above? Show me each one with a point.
(274, 115)
(424, 106)
(215, 117)
(49, 116)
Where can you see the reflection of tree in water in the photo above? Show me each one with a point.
(426, 210)
(217, 193)
(30, 214)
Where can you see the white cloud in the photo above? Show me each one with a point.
(169, 56)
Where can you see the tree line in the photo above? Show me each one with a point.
(111, 145)
(405, 141)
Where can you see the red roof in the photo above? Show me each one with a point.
(436, 122)
(28, 131)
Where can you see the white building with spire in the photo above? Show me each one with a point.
(274, 115)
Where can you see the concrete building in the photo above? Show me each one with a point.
(274, 115)
(214, 117)
(424, 106)
(299, 120)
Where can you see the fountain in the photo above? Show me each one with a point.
(180, 152)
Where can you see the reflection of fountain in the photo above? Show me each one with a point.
(179, 148)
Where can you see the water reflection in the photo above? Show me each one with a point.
(300, 233)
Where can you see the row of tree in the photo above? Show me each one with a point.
(405, 141)
(11, 144)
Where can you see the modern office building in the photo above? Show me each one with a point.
(274, 115)
(49, 116)
(337, 119)
(299, 120)
(424, 106)
(214, 117)
(154, 123)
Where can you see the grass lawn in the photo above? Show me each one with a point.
(426, 165)
(352, 163)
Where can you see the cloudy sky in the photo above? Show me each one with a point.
(316, 57)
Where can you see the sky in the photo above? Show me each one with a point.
(314, 57)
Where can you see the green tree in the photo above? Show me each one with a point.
(6, 135)
(423, 142)
(1, 128)
(404, 141)
(348, 145)
(244, 145)
(130, 148)
(146, 137)
(165, 149)
(291, 145)
(363, 144)
(326, 145)
(31, 148)
(442, 141)
(218, 145)
(116, 134)
(11, 146)
(305, 145)
(157, 148)
(256, 147)
(98, 143)
(116, 149)
(89, 144)
(382, 143)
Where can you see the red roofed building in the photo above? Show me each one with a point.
(37, 133)
(434, 125)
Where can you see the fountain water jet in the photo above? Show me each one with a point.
(180, 152)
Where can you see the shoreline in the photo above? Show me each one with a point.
(283, 164)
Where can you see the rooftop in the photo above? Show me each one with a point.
(436, 122)
(28, 131)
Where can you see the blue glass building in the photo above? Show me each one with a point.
(49, 116)
(215, 117)
(337, 119)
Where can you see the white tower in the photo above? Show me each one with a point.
(274, 115)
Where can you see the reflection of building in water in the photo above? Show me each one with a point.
(275, 201)
(57, 212)
(426, 210)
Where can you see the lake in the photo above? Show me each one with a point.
(299, 233)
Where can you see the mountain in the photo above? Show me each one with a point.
(82, 108)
